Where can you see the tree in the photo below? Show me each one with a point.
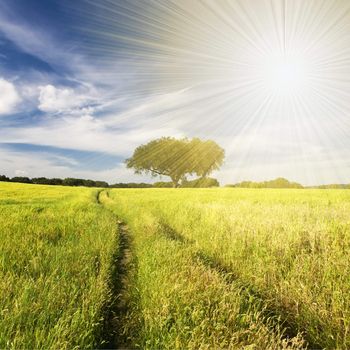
(89, 183)
(177, 158)
(40, 181)
(280, 182)
(4, 178)
(203, 182)
(69, 181)
(56, 181)
(163, 184)
(101, 184)
(205, 157)
(22, 179)
(131, 185)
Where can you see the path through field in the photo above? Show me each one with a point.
(251, 268)
(174, 269)
(282, 333)
(121, 281)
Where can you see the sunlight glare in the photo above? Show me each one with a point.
(285, 74)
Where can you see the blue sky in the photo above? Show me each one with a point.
(82, 84)
(51, 90)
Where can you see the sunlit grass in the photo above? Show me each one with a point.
(289, 248)
(210, 268)
(180, 303)
(56, 245)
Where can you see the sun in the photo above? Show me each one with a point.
(285, 74)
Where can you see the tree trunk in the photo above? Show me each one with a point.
(175, 182)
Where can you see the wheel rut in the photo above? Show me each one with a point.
(114, 335)
(275, 312)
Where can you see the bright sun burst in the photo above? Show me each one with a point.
(266, 75)
(282, 74)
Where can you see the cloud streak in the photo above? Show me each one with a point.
(9, 97)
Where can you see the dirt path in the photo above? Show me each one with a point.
(125, 267)
(114, 335)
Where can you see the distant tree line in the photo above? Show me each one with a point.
(131, 185)
(284, 183)
(332, 186)
(277, 183)
(200, 183)
(55, 181)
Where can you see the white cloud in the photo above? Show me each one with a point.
(115, 133)
(9, 97)
(20, 172)
(53, 99)
(45, 45)
(82, 133)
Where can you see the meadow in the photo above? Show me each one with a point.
(174, 268)
(57, 246)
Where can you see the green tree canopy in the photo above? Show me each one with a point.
(177, 158)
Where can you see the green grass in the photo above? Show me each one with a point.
(288, 249)
(56, 246)
(177, 302)
(209, 268)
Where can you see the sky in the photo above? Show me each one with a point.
(83, 83)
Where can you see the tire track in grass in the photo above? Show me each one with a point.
(122, 269)
(274, 312)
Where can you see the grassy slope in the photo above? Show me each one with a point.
(56, 245)
(288, 248)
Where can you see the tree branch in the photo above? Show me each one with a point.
(158, 172)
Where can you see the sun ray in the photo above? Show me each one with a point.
(245, 68)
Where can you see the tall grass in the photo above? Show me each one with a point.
(289, 248)
(178, 301)
(210, 268)
(56, 247)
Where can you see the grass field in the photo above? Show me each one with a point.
(174, 268)
(56, 249)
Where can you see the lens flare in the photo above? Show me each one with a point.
(285, 74)
(269, 78)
